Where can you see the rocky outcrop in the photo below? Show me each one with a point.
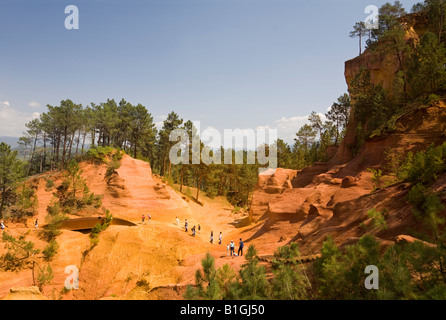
(383, 69)
(349, 182)
(25, 293)
(116, 186)
(161, 191)
(270, 184)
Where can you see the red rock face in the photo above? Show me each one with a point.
(333, 198)
(268, 187)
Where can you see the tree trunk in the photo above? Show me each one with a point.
(181, 177)
(400, 61)
(83, 142)
(220, 189)
(32, 154)
(100, 137)
(64, 151)
(360, 44)
(71, 146)
(44, 151)
(2, 204)
(198, 188)
(78, 141)
(59, 137)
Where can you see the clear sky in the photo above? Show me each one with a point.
(227, 63)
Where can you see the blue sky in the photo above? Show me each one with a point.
(227, 63)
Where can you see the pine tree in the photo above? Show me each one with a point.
(207, 284)
(359, 31)
(426, 68)
(253, 284)
(290, 281)
(11, 171)
(339, 114)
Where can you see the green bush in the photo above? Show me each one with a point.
(424, 166)
(49, 184)
(52, 228)
(417, 195)
(19, 252)
(211, 192)
(99, 154)
(433, 98)
(99, 227)
(50, 250)
(376, 176)
(44, 277)
(378, 219)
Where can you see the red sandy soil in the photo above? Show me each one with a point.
(158, 252)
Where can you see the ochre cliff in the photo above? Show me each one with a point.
(332, 198)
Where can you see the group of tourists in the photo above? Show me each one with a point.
(143, 217)
(186, 227)
(230, 247)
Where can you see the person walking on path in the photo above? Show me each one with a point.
(36, 223)
(240, 248)
(178, 221)
(2, 225)
(232, 248)
(186, 225)
(227, 250)
(212, 236)
(143, 218)
(199, 229)
(220, 237)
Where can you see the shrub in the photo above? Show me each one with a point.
(18, 252)
(393, 162)
(433, 98)
(211, 192)
(49, 184)
(99, 227)
(98, 155)
(376, 176)
(114, 164)
(26, 202)
(424, 166)
(290, 281)
(44, 277)
(52, 228)
(417, 195)
(50, 250)
(378, 219)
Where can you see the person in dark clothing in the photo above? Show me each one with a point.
(212, 236)
(240, 248)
